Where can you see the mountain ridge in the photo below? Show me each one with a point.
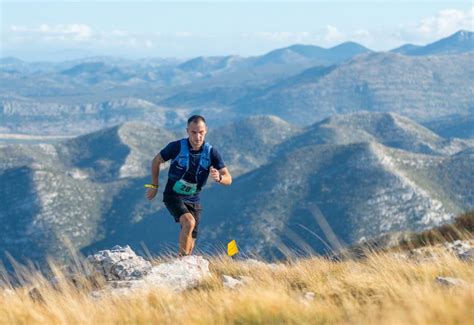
(374, 82)
(460, 42)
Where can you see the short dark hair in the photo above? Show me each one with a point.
(196, 119)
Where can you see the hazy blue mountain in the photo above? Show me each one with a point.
(12, 65)
(71, 189)
(294, 52)
(43, 202)
(10, 61)
(96, 72)
(297, 54)
(362, 190)
(347, 50)
(418, 87)
(460, 42)
(114, 153)
(132, 220)
(293, 83)
(453, 126)
(205, 64)
(317, 55)
(90, 188)
(27, 116)
(368, 173)
(226, 79)
(248, 143)
(406, 49)
(27, 67)
(389, 129)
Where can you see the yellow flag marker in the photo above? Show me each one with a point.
(232, 248)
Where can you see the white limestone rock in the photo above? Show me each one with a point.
(230, 282)
(181, 274)
(118, 264)
(309, 296)
(451, 282)
(127, 273)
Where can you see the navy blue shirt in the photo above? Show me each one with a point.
(172, 150)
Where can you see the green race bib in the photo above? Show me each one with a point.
(185, 188)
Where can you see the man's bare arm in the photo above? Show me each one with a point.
(155, 174)
(155, 168)
(225, 177)
(221, 176)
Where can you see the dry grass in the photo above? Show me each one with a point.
(461, 228)
(379, 289)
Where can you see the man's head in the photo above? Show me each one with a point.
(197, 130)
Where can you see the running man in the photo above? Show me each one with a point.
(192, 161)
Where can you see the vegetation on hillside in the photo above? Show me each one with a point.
(461, 228)
(381, 288)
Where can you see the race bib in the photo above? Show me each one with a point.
(185, 188)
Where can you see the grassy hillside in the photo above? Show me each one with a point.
(378, 289)
(383, 288)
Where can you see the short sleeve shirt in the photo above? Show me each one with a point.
(172, 150)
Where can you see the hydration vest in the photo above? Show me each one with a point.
(180, 164)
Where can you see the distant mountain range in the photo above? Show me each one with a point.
(453, 126)
(361, 190)
(344, 138)
(301, 84)
(460, 42)
(360, 187)
(388, 129)
(314, 54)
(367, 174)
(419, 87)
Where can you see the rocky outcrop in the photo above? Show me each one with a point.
(126, 272)
(118, 264)
(461, 248)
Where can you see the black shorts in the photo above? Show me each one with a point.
(177, 207)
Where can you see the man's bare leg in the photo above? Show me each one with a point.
(192, 246)
(186, 241)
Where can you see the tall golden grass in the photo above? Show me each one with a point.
(380, 289)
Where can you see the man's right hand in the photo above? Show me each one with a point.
(151, 193)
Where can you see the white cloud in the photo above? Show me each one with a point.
(275, 36)
(444, 23)
(78, 31)
(44, 28)
(328, 36)
(361, 34)
(281, 37)
(72, 32)
(333, 35)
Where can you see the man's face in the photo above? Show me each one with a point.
(197, 132)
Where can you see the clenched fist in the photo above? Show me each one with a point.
(215, 175)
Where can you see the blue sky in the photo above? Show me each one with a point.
(65, 29)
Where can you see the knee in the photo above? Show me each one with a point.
(187, 221)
